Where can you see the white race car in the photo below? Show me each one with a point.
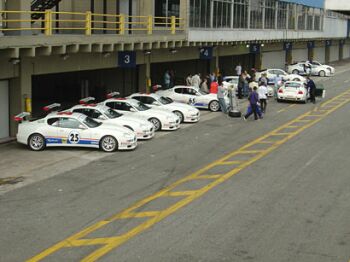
(304, 68)
(72, 130)
(232, 80)
(316, 63)
(292, 91)
(272, 73)
(193, 96)
(186, 113)
(143, 128)
(162, 120)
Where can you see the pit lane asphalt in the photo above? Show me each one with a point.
(291, 205)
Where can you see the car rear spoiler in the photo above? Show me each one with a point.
(112, 94)
(52, 107)
(86, 100)
(21, 117)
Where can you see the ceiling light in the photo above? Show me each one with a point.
(173, 50)
(147, 52)
(15, 61)
(106, 54)
(64, 56)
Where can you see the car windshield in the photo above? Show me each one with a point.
(140, 106)
(292, 85)
(91, 123)
(165, 100)
(111, 113)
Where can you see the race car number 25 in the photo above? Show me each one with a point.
(74, 137)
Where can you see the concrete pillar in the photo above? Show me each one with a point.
(2, 7)
(258, 61)
(144, 77)
(327, 54)
(19, 5)
(20, 89)
(341, 51)
(217, 61)
(310, 54)
(289, 57)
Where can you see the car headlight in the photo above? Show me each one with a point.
(128, 136)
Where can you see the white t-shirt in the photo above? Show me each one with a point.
(262, 92)
(238, 70)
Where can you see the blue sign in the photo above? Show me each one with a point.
(287, 46)
(127, 59)
(311, 44)
(206, 53)
(255, 48)
(328, 43)
(312, 3)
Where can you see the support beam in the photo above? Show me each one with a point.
(16, 5)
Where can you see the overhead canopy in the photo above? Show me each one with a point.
(312, 3)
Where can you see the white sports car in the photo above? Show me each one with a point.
(302, 68)
(272, 73)
(193, 96)
(292, 91)
(72, 130)
(186, 113)
(162, 120)
(143, 128)
(316, 63)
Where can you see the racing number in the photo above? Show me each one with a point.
(192, 101)
(74, 137)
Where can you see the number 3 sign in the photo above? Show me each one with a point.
(127, 59)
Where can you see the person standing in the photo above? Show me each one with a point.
(221, 95)
(240, 86)
(277, 81)
(253, 99)
(238, 69)
(246, 83)
(204, 85)
(213, 87)
(312, 89)
(196, 80)
(166, 79)
(172, 78)
(263, 79)
(189, 80)
(262, 92)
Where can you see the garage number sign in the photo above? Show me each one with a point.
(287, 46)
(127, 59)
(310, 44)
(206, 53)
(255, 48)
(328, 43)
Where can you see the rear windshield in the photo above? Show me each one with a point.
(295, 85)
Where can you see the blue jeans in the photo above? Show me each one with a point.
(222, 104)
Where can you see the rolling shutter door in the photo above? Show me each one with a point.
(346, 51)
(334, 53)
(319, 54)
(4, 110)
(274, 59)
(300, 55)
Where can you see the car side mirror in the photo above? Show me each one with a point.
(132, 109)
(82, 127)
(156, 103)
(101, 117)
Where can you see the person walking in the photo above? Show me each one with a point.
(253, 99)
(311, 89)
(238, 69)
(221, 95)
(262, 92)
(204, 85)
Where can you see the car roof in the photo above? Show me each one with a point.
(146, 94)
(65, 114)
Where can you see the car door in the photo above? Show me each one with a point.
(179, 96)
(190, 95)
(51, 132)
(73, 132)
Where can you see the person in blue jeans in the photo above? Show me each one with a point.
(221, 95)
(253, 99)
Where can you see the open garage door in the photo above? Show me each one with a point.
(68, 88)
(334, 53)
(228, 63)
(4, 109)
(300, 55)
(320, 54)
(274, 59)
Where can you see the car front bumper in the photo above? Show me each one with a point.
(192, 118)
(171, 125)
(128, 144)
(145, 134)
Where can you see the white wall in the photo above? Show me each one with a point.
(299, 54)
(334, 53)
(4, 109)
(274, 59)
(320, 54)
(337, 4)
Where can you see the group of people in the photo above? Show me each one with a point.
(207, 84)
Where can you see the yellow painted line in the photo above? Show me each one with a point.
(293, 126)
(114, 242)
(140, 214)
(303, 120)
(208, 176)
(282, 134)
(230, 163)
(286, 108)
(93, 242)
(181, 193)
(250, 151)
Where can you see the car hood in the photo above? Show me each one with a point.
(176, 105)
(110, 126)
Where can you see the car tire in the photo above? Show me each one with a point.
(36, 142)
(279, 100)
(214, 106)
(156, 122)
(180, 115)
(295, 72)
(108, 144)
(322, 73)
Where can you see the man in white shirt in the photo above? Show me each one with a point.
(196, 80)
(262, 92)
(238, 69)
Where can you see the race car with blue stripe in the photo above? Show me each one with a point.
(193, 96)
(67, 129)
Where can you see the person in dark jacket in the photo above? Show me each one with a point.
(240, 86)
(253, 99)
(312, 89)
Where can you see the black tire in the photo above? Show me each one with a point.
(214, 106)
(156, 122)
(180, 115)
(322, 73)
(108, 144)
(36, 142)
(279, 100)
(295, 72)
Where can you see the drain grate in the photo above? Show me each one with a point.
(11, 180)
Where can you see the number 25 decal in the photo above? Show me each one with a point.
(74, 137)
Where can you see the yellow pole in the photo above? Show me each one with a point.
(173, 25)
(150, 25)
(48, 22)
(88, 23)
(122, 24)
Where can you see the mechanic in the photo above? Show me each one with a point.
(221, 95)
(311, 89)
(253, 99)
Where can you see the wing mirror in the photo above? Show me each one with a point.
(132, 109)
(82, 127)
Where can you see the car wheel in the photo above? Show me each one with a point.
(214, 106)
(156, 123)
(295, 72)
(108, 144)
(322, 73)
(180, 115)
(36, 142)
(279, 100)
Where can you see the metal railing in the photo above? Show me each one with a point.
(86, 23)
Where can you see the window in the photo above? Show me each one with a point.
(317, 19)
(221, 13)
(270, 14)
(53, 121)
(119, 106)
(240, 13)
(166, 8)
(282, 15)
(179, 90)
(256, 14)
(310, 19)
(301, 13)
(69, 123)
(291, 16)
(88, 112)
(145, 99)
(200, 13)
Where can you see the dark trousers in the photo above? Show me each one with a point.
(263, 105)
(254, 111)
(313, 96)
(240, 95)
